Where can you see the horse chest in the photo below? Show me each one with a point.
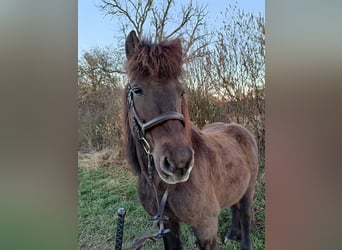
(189, 206)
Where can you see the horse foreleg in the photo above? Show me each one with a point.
(206, 234)
(235, 229)
(172, 239)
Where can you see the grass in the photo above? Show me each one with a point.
(101, 191)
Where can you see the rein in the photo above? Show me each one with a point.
(140, 129)
(159, 218)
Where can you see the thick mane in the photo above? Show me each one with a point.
(156, 61)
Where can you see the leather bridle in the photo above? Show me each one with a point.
(142, 127)
(172, 115)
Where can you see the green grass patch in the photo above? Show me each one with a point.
(102, 191)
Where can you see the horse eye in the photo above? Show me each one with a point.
(138, 90)
(183, 93)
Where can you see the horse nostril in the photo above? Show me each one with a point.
(184, 159)
(168, 166)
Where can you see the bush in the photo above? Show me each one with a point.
(99, 117)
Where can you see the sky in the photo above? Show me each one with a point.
(97, 30)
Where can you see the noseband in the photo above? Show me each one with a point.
(142, 127)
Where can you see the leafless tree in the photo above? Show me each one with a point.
(99, 100)
(228, 83)
(100, 66)
(162, 19)
(225, 66)
(236, 66)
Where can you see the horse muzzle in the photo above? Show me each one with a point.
(174, 166)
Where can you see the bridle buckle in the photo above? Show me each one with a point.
(146, 145)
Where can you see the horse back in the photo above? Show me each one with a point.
(228, 135)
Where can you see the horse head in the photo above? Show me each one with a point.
(156, 106)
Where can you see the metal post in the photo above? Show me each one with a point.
(119, 229)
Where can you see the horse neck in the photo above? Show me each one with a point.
(198, 142)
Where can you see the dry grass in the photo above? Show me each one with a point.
(104, 158)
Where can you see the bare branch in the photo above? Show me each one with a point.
(115, 8)
(147, 15)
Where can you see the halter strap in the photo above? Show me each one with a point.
(141, 127)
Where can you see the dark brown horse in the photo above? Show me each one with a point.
(204, 171)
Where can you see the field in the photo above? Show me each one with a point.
(102, 190)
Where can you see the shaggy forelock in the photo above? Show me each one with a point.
(163, 60)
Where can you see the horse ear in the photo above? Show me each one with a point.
(131, 42)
